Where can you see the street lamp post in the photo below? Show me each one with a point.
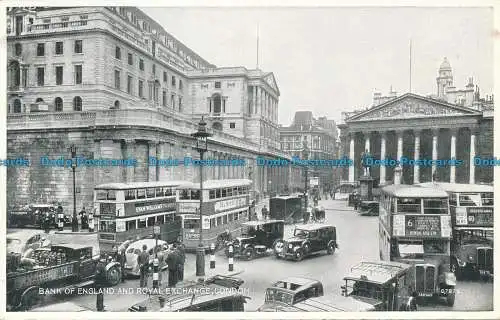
(74, 222)
(201, 146)
(305, 156)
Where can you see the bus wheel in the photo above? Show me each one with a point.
(248, 253)
(331, 248)
(450, 299)
(30, 297)
(114, 276)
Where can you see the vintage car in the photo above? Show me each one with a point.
(472, 253)
(216, 294)
(384, 285)
(257, 238)
(61, 266)
(322, 304)
(307, 239)
(133, 251)
(291, 291)
(22, 240)
(368, 208)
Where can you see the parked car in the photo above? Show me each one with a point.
(133, 251)
(257, 238)
(307, 239)
(291, 291)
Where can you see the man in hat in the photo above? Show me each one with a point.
(182, 260)
(173, 264)
(143, 261)
(100, 283)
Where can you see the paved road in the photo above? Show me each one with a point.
(358, 240)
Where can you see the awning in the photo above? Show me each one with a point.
(405, 249)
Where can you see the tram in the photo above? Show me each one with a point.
(225, 206)
(130, 210)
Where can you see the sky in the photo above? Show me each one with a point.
(332, 59)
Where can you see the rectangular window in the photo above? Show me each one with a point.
(150, 192)
(211, 194)
(129, 85)
(435, 206)
(180, 84)
(159, 192)
(78, 74)
(172, 101)
(173, 81)
(141, 93)
(232, 125)
(40, 49)
(165, 77)
(59, 76)
(153, 69)
(40, 76)
(117, 79)
(129, 194)
(59, 47)
(78, 46)
(164, 100)
(141, 65)
(180, 104)
(141, 193)
(18, 48)
(217, 85)
(130, 59)
(118, 53)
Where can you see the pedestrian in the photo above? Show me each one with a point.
(143, 261)
(91, 222)
(100, 283)
(182, 261)
(46, 222)
(161, 255)
(85, 222)
(173, 263)
(411, 305)
(264, 212)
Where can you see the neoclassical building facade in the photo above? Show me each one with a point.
(445, 132)
(116, 84)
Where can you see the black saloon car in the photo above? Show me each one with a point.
(257, 238)
(307, 239)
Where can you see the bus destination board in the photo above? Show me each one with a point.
(480, 216)
(421, 226)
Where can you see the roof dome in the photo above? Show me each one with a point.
(445, 65)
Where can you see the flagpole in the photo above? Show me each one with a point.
(410, 66)
(257, 53)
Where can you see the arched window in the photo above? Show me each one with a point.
(117, 105)
(17, 106)
(217, 104)
(58, 103)
(77, 104)
(38, 100)
(217, 126)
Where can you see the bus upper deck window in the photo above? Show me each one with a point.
(229, 192)
(224, 193)
(159, 192)
(470, 200)
(487, 198)
(218, 193)
(141, 193)
(211, 194)
(150, 192)
(101, 195)
(435, 206)
(111, 195)
(129, 194)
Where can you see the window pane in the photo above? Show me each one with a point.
(129, 194)
(409, 205)
(141, 194)
(435, 206)
(151, 192)
(111, 195)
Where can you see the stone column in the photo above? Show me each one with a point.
(472, 154)
(188, 172)
(453, 153)
(152, 152)
(254, 102)
(435, 135)
(399, 135)
(416, 156)
(367, 140)
(129, 153)
(383, 137)
(351, 156)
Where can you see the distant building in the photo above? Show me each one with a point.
(321, 137)
(452, 124)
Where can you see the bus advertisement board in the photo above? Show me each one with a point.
(421, 226)
(475, 216)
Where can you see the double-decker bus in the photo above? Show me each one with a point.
(415, 228)
(225, 207)
(471, 207)
(130, 210)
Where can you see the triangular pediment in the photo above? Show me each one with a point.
(271, 81)
(412, 106)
